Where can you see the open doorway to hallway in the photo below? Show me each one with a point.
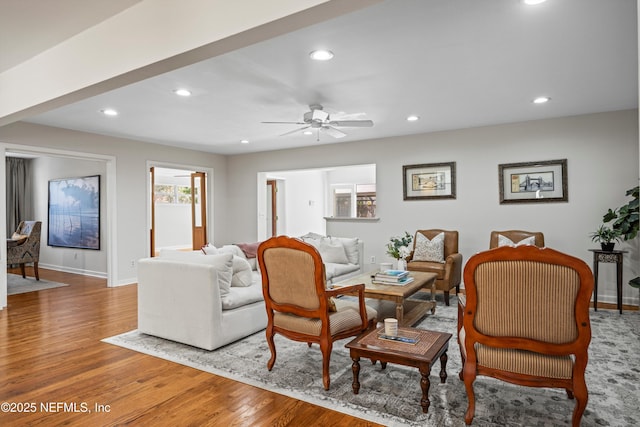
(178, 209)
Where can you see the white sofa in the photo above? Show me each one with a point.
(213, 297)
(189, 299)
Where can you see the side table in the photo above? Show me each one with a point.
(607, 256)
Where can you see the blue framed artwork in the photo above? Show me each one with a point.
(74, 212)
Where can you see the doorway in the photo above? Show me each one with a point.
(178, 209)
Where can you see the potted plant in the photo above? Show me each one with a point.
(627, 220)
(626, 216)
(607, 237)
(399, 248)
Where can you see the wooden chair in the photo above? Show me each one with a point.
(516, 236)
(299, 306)
(450, 271)
(24, 246)
(526, 321)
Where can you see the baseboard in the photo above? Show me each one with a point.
(99, 274)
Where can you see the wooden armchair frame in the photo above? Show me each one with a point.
(570, 344)
(281, 257)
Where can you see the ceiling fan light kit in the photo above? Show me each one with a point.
(317, 118)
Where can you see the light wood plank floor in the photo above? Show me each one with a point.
(51, 356)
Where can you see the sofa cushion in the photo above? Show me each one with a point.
(222, 262)
(505, 241)
(429, 267)
(429, 250)
(350, 247)
(242, 276)
(334, 270)
(240, 296)
(332, 251)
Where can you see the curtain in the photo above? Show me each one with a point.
(19, 192)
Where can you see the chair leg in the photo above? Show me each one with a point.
(35, 269)
(325, 348)
(581, 395)
(272, 347)
(471, 397)
(446, 298)
(22, 270)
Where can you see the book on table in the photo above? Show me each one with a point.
(400, 282)
(392, 274)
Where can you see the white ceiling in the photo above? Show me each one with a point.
(455, 63)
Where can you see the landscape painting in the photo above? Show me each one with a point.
(74, 212)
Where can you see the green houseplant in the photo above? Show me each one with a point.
(626, 220)
(606, 236)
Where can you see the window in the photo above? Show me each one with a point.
(354, 200)
(366, 200)
(172, 194)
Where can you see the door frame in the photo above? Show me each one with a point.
(208, 195)
(109, 200)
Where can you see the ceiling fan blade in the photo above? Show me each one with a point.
(352, 123)
(285, 123)
(333, 132)
(295, 130)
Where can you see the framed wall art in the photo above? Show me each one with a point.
(533, 182)
(74, 212)
(429, 181)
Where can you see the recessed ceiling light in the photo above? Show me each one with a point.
(541, 100)
(413, 118)
(321, 55)
(182, 92)
(109, 112)
(244, 141)
(533, 2)
(307, 132)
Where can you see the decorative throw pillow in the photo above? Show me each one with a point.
(429, 250)
(209, 249)
(332, 251)
(505, 241)
(242, 276)
(250, 249)
(331, 305)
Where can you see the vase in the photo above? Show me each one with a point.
(402, 264)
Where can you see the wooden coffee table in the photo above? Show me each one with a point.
(408, 311)
(431, 345)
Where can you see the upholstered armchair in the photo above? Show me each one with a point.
(24, 246)
(436, 251)
(299, 307)
(516, 237)
(525, 320)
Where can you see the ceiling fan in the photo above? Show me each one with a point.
(320, 120)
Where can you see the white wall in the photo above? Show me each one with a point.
(301, 201)
(82, 261)
(602, 154)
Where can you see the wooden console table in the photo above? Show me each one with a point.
(607, 256)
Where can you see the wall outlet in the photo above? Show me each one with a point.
(133, 263)
(373, 259)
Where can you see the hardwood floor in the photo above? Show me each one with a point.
(55, 371)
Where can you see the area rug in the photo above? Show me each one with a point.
(392, 396)
(17, 285)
